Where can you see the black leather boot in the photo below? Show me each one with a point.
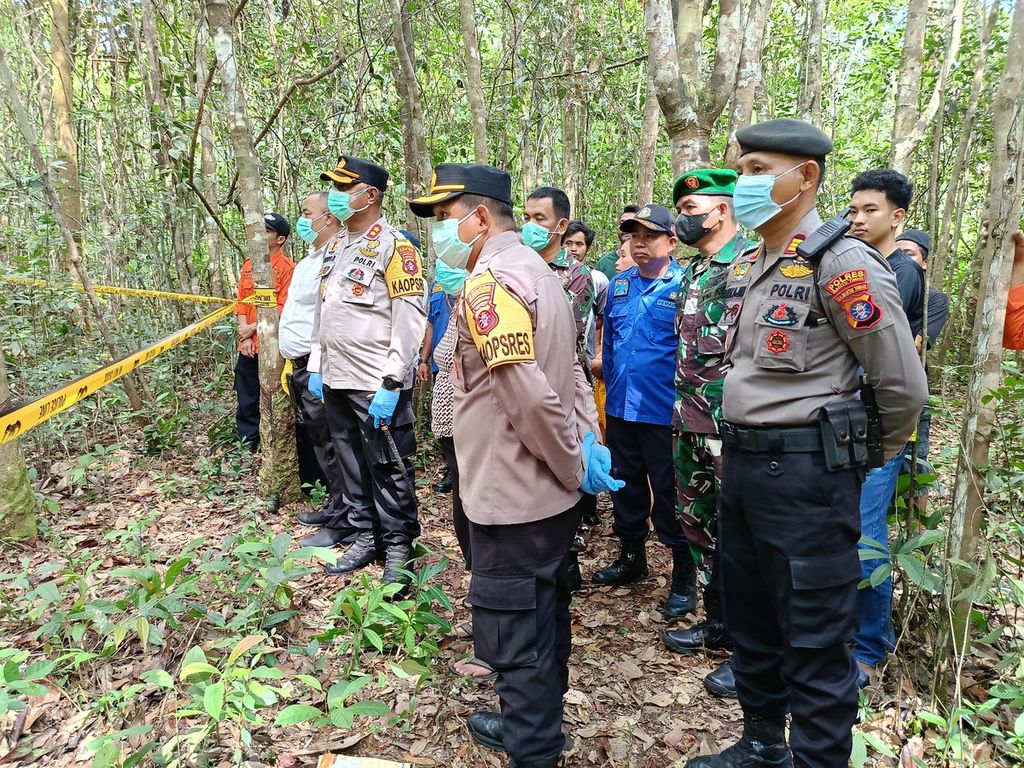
(397, 557)
(330, 537)
(722, 682)
(445, 485)
(763, 745)
(362, 552)
(708, 634)
(315, 517)
(683, 597)
(630, 566)
(485, 728)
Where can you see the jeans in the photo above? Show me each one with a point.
(874, 638)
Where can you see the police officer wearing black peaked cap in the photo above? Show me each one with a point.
(805, 311)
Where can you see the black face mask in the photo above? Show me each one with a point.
(690, 227)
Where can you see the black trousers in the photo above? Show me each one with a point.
(522, 628)
(459, 518)
(787, 537)
(247, 389)
(374, 488)
(642, 455)
(317, 457)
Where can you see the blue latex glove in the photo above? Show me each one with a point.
(383, 406)
(316, 385)
(597, 460)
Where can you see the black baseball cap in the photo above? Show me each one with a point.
(278, 223)
(453, 179)
(351, 170)
(919, 237)
(656, 218)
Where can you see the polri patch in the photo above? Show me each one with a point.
(404, 274)
(847, 286)
(499, 323)
(777, 342)
(780, 314)
(621, 287)
(862, 313)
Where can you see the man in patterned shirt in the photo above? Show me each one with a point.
(704, 202)
(546, 217)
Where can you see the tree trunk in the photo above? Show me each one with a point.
(69, 189)
(943, 245)
(648, 146)
(749, 74)
(1003, 211)
(208, 162)
(279, 472)
(24, 122)
(810, 78)
(911, 128)
(417, 157)
(17, 502)
(474, 80)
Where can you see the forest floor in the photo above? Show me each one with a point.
(631, 702)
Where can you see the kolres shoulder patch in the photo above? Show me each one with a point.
(501, 326)
(404, 273)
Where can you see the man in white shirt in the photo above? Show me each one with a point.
(317, 457)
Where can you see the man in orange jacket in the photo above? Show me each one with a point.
(1013, 330)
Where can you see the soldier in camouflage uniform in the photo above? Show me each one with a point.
(704, 202)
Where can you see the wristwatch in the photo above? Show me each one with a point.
(391, 383)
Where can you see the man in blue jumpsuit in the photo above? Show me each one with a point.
(639, 359)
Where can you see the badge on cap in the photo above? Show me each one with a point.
(692, 182)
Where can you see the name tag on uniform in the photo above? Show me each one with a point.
(359, 275)
(364, 261)
(665, 303)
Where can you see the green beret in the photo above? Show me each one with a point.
(705, 181)
(784, 135)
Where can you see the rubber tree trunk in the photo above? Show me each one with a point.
(474, 80)
(69, 190)
(17, 502)
(279, 481)
(1003, 212)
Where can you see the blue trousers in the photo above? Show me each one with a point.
(874, 638)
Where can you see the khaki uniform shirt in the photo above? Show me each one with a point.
(522, 403)
(372, 310)
(793, 348)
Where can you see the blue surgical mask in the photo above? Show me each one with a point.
(535, 236)
(752, 198)
(304, 228)
(450, 279)
(340, 203)
(448, 246)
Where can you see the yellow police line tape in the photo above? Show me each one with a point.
(22, 418)
(118, 291)
(262, 297)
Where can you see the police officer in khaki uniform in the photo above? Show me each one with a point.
(802, 324)
(525, 428)
(366, 333)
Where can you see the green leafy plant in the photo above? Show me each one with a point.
(19, 681)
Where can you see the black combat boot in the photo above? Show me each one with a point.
(330, 537)
(683, 597)
(631, 565)
(362, 552)
(763, 745)
(315, 518)
(709, 634)
(722, 682)
(396, 559)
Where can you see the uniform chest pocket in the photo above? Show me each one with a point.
(660, 321)
(711, 327)
(780, 337)
(358, 283)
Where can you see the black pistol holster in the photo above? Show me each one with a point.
(844, 435)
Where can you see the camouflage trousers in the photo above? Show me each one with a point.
(698, 463)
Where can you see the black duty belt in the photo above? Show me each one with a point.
(300, 362)
(771, 439)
